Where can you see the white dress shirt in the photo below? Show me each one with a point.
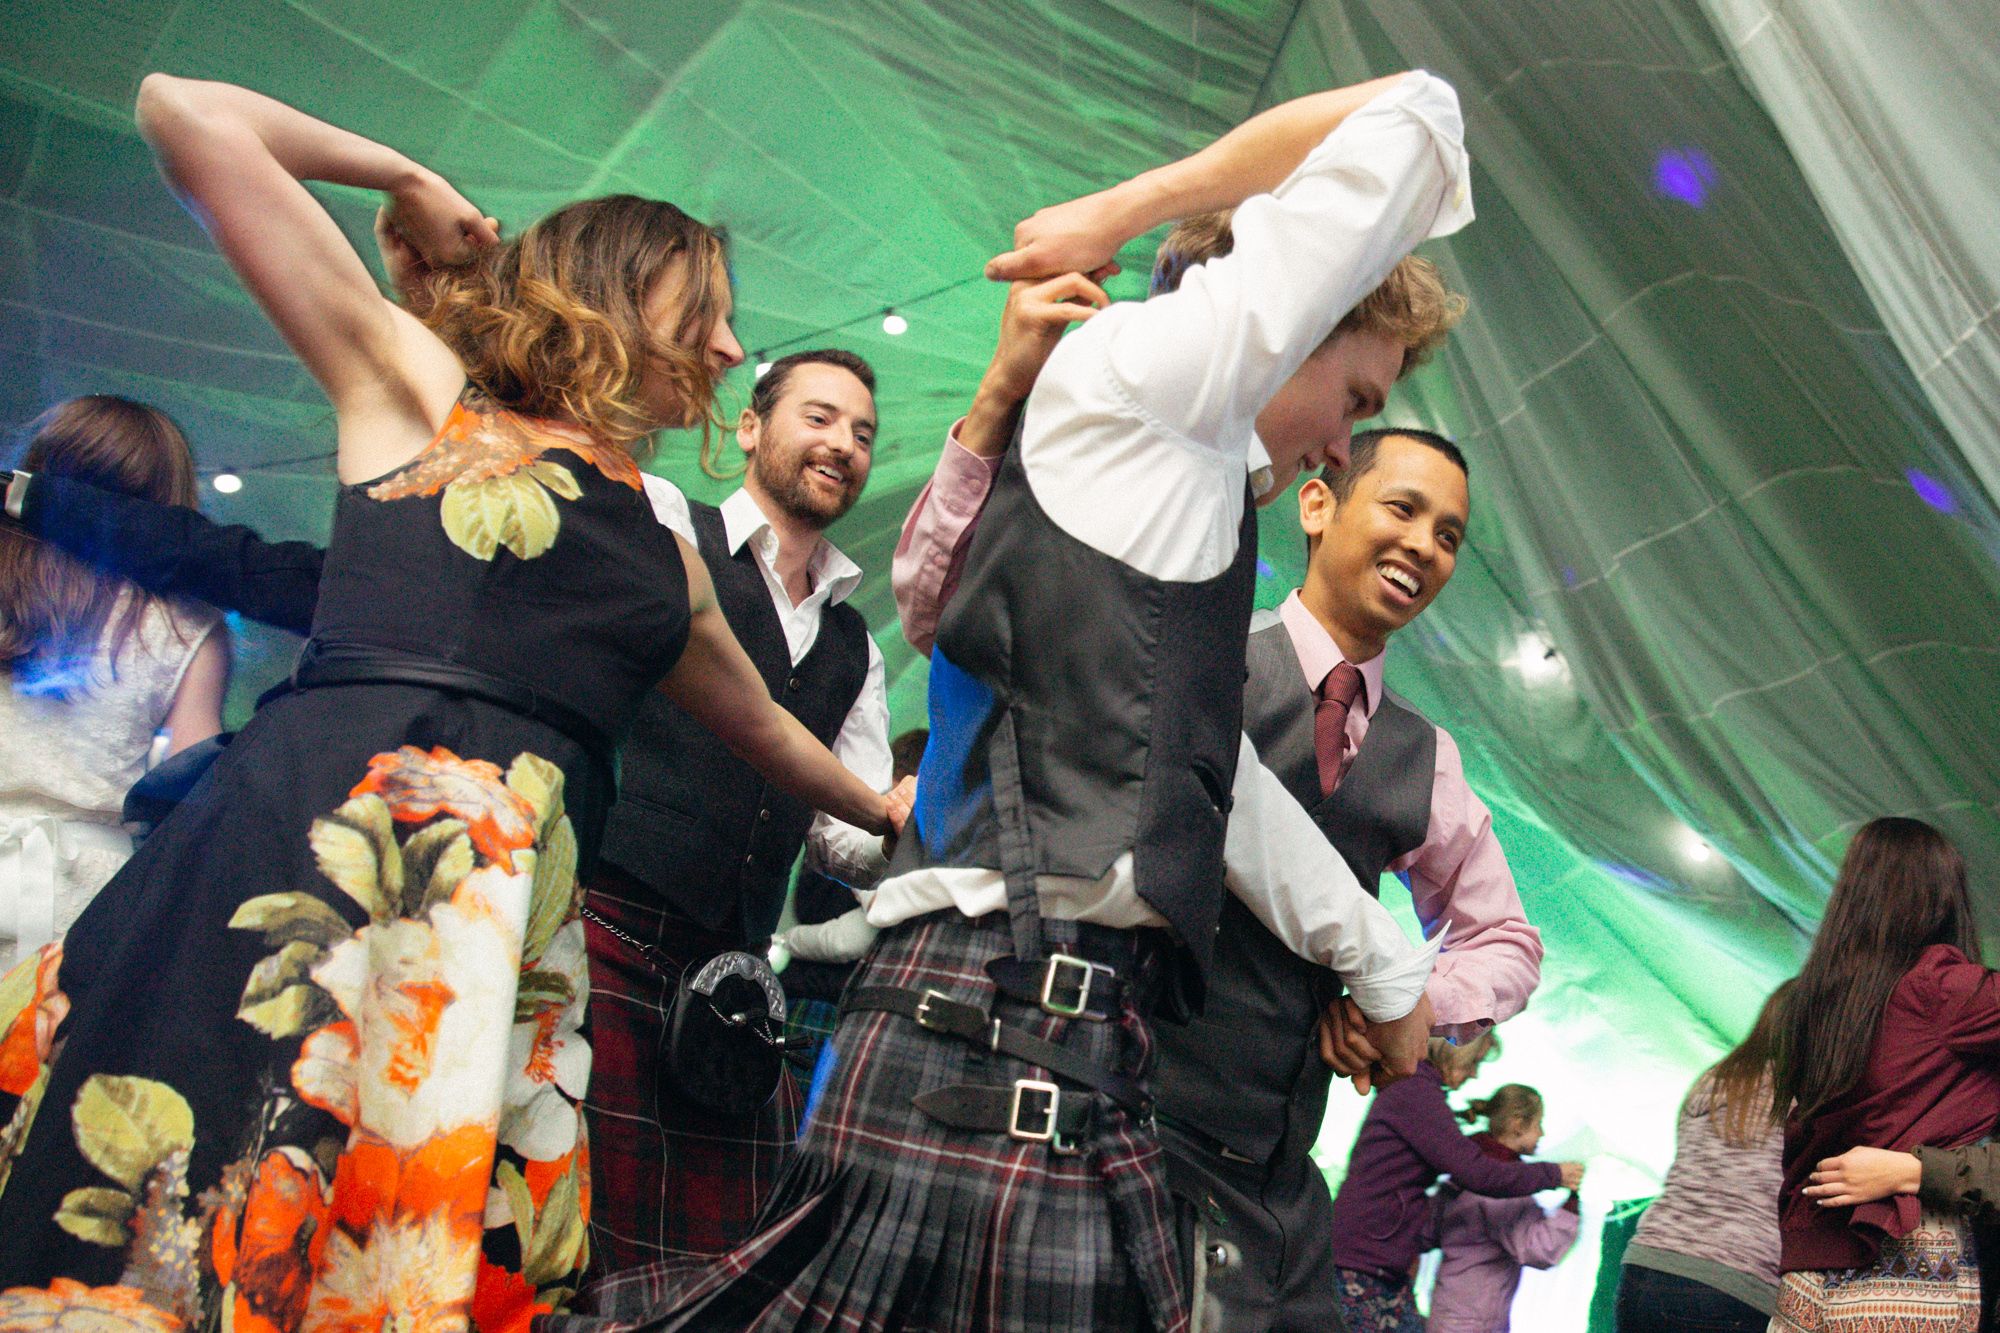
(1138, 441)
(834, 848)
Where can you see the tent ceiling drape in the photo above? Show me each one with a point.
(1731, 383)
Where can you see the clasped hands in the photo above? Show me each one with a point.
(1371, 1054)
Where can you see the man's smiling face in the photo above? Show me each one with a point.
(811, 455)
(1383, 554)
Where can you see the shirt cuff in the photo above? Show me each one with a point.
(1939, 1185)
(962, 478)
(1391, 992)
(841, 851)
(1433, 103)
(17, 495)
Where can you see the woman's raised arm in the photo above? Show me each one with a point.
(238, 159)
(719, 686)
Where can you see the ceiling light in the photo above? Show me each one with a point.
(894, 324)
(1536, 660)
(227, 482)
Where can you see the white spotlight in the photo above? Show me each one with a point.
(228, 483)
(894, 324)
(1695, 848)
(1538, 663)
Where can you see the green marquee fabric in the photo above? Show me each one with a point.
(1730, 387)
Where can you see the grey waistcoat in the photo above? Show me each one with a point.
(1081, 709)
(1247, 1070)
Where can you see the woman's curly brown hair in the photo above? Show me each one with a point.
(552, 323)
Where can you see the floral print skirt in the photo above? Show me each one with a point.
(1373, 1304)
(314, 1059)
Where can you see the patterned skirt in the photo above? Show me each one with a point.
(1373, 1304)
(668, 1177)
(313, 1057)
(1927, 1282)
(886, 1218)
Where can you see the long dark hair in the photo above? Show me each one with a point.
(1901, 889)
(55, 610)
(1731, 1085)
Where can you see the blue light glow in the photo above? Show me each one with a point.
(1932, 491)
(1637, 878)
(1685, 174)
(1264, 570)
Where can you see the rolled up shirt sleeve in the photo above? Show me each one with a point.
(930, 553)
(1285, 871)
(834, 847)
(1205, 359)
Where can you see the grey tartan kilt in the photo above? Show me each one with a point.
(886, 1219)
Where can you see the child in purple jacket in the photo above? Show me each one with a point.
(1381, 1214)
(1487, 1241)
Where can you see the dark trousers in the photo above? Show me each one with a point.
(1277, 1224)
(1650, 1301)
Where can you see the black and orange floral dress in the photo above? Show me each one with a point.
(314, 1059)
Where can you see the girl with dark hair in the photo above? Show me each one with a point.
(1487, 1242)
(323, 1055)
(1706, 1252)
(95, 668)
(1891, 1039)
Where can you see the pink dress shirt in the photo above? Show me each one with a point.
(930, 555)
(1492, 959)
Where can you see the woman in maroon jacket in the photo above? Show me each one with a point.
(1891, 1038)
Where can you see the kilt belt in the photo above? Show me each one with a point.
(1034, 1110)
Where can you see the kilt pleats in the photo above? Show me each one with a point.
(886, 1219)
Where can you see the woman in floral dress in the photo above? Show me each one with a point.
(313, 1059)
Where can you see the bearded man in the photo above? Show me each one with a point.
(698, 851)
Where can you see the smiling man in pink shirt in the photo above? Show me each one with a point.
(1242, 1091)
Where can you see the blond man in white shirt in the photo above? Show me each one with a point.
(983, 1152)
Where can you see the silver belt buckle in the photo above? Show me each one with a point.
(1047, 1132)
(1057, 963)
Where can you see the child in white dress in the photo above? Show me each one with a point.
(91, 669)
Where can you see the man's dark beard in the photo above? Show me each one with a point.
(792, 494)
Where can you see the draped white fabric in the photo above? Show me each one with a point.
(1880, 107)
(1730, 386)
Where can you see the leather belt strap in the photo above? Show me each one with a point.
(322, 664)
(938, 1012)
(1062, 984)
(1029, 1109)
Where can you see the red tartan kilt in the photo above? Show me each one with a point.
(667, 1178)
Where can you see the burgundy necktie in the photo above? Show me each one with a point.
(1336, 696)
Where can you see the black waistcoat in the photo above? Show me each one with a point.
(695, 823)
(1247, 1070)
(1089, 710)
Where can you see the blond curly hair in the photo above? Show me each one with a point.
(553, 322)
(1412, 305)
